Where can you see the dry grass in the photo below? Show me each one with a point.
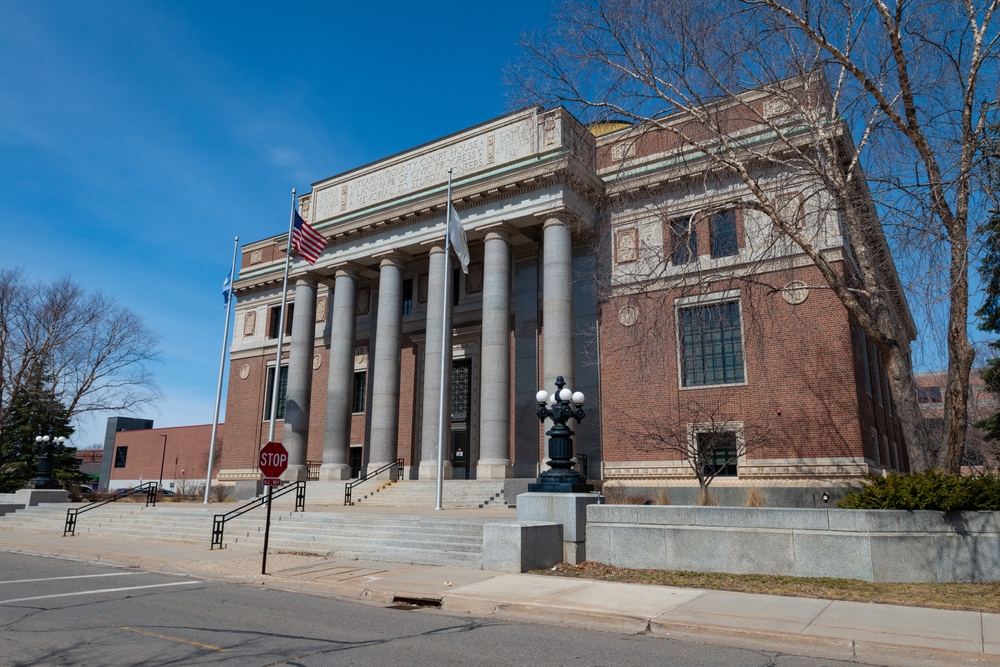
(706, 498)
(662, 497)
(967, 597)
(755, 498)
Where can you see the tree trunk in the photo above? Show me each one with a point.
(904, 390)
(960, 357)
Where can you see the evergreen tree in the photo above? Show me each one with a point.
(36, 410)
(989, 313)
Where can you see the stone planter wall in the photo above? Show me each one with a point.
(872, 545)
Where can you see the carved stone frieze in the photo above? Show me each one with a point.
(364, 300)
(249, 322)
(474, 281)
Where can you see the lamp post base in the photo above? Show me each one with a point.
(551, 486)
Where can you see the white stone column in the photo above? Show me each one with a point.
(432, 371)
(340, 387)
(385, 368)
(557, 301)
(295, 434)
(494, 383)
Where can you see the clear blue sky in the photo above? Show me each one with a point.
(137, 139)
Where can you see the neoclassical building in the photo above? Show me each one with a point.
(598, 255)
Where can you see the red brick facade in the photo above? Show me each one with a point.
(180, 452)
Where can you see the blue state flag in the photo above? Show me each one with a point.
(227, 288)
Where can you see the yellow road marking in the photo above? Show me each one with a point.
(173, 639)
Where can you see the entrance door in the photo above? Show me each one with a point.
(461, 399)
(356, 461)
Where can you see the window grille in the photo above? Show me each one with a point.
(711, 345)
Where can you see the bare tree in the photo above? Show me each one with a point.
(95, 352)
(882, 104)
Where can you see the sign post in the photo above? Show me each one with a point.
(272, 461)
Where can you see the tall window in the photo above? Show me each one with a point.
(722, 230)
(455, 292)
(274, 316)
(408, 296)
(929, 395)
(718, 453)
(282, 388)
(684, 241)
(360, 379)
(711, 345)
(121, 455)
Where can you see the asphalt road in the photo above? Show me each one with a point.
(59, 612)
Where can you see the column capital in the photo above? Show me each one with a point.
(503, 231)
(561, 217)
(391, 258)
(308, 278)
(434, 246)
(349, 269)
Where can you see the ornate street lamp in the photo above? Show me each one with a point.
(560, 406)
(44, 478)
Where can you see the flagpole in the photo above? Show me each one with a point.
(281, 326)
(222, 366)
(445, 338)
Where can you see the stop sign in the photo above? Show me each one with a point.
(273, 459)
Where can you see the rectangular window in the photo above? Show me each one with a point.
(711, 345)
(288, 318)
(718, 453)
(360, 379)
(929, 395)
(864, 361)
(273, 317)
(121, 455)
(722, 231)
(408, 296)
(683, 242)
(875, 447)
(455, 274)
(282, 388)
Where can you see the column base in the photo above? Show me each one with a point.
(392, 473)
(494, 469)
(429, 471)
(333, 472)
(297, 473)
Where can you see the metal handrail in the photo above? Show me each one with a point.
(149, 488)
(349, 487)
(584, 462)
(219, 520)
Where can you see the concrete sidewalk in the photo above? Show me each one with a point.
(862, 632)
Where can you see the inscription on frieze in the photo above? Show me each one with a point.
(505, 144)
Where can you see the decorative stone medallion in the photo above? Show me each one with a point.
(321, 309)
(244, 371)
(364, 300)
(256, 257)
(626, 245)
(628, 315)
(249, 322)
(361, 356)
(474, 281)
(317, 362)
(795, 292)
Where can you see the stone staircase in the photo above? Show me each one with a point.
(391, 538)
(456, 494)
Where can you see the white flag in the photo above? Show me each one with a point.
(458, 238)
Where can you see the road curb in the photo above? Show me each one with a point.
(864, 652)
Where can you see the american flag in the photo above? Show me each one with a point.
(307, 240)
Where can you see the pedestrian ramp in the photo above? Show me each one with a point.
(421, 540)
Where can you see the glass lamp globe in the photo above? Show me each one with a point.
(551, 399)
(578, 397)
(60, 439)
(45, 438)
(38, 438)
(542, 396)
(565, 394)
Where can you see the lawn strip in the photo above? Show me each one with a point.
(961, 596)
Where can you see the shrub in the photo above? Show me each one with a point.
(930, 490)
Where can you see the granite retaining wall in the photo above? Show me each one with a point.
(872, 545)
